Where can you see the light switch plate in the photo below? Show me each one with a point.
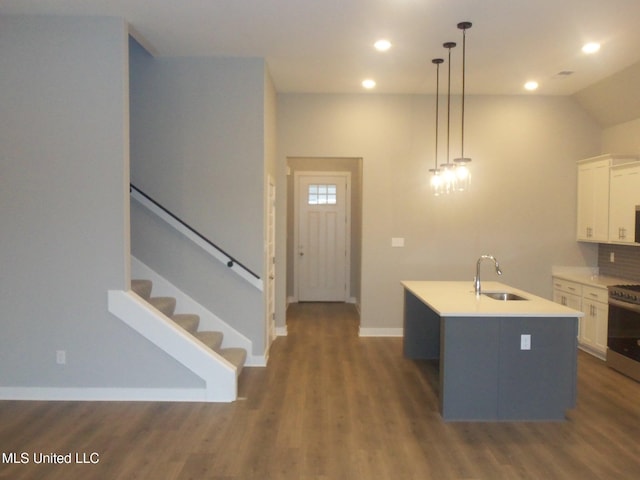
(525, 341)
(397, 242)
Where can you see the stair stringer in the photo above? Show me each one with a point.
(186, 304)
(219, 375)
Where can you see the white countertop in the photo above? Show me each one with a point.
(457, 299)
(601, 281)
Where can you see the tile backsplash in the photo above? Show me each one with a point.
(627, 261)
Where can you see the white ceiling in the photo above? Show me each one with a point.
(326, 45)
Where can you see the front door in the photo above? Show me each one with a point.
(322, 242)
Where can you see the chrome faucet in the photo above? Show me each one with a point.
(476, 281)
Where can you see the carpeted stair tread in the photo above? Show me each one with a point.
(166, 305)
(236, 356)
(213, 340)
(188, 321)
(142, 288)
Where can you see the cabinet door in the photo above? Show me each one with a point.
(601, 311)
(593, 201)
(585, 201)
(572, 301)
(625, 195)
(589, 331)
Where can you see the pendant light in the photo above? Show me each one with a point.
(448, 169)
(436, 178)
(463, 175)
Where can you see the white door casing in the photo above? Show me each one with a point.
(322, 239)
(271, 262)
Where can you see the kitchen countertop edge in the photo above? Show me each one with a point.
(457, 299)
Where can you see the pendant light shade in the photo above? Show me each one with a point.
(463, 174)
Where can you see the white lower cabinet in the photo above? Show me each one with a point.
(596, 314)
(593, 302)
(567, 293)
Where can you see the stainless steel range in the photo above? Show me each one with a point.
(623, 336)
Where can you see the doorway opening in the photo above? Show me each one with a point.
(324, 229)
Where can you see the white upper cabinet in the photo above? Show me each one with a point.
(593, 200)
(624, 197)
(596, 191)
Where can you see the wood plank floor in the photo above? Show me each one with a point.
(330, 405)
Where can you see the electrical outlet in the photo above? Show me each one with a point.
(612, 257)
(61, 357)
(525, 341)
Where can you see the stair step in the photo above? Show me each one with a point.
(236, 356)
(166, 305)
(188, 321)
(142, 288)
(213, 340)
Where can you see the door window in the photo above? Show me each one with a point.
(322, 194)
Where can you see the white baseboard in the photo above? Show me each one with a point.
(256, 361)
(381, 332)
(104, 394)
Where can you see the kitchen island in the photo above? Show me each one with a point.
(513, 360)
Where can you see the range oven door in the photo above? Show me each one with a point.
(623, 334)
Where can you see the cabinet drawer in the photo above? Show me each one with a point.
(567, 286)
(595, 294)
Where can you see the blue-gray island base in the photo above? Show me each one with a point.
(484, 373)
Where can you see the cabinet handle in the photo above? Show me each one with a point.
(622, 233)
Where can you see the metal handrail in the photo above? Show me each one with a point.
(230, 260)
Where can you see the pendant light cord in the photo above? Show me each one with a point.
(437, 61)
(464, 48)
(449, 45)
(463, 26)
(448, 104)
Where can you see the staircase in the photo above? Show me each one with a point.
(190, 323)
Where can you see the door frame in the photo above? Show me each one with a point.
(270, 268)
(296, 214)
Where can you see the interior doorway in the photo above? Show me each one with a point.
(323, 221)
(322, 242)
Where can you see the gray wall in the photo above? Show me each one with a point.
(198, 146)
(64, 208)
(521, 206)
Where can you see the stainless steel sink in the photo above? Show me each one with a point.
(503, 296)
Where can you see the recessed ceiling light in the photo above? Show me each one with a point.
(531, 85)
(591, 47)
(369, 83)
(382, 45)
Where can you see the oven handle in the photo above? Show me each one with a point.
(627, 306)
